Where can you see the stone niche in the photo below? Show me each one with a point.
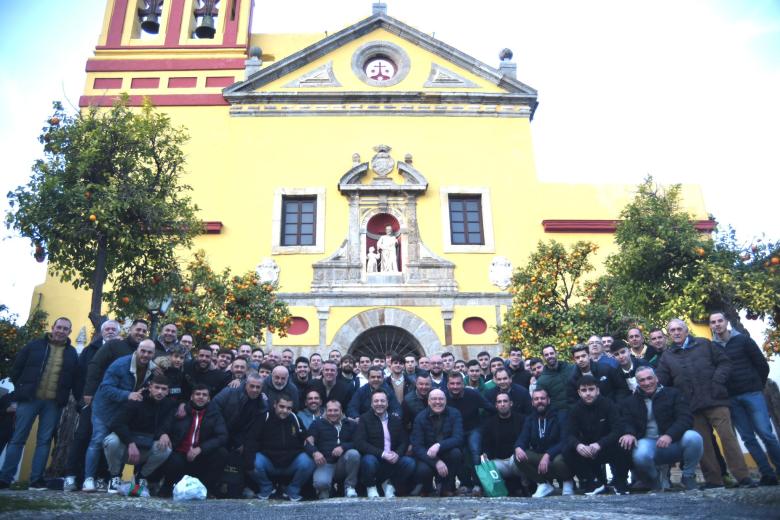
(389, 198)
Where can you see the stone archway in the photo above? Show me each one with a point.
(383, 340)
(424, 335)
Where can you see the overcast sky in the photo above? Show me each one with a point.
(685, 91)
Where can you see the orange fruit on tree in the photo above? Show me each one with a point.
(92, 218)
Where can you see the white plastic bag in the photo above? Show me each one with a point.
(130, 489)
(189, 488)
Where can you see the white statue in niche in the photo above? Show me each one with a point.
(387, 245)
(372, 259)
(500, 273)
(268, 271)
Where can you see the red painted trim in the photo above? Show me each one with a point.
(164, 65)
(213, 227)
(163, 47)
(231, 26)
(160, 100)
(182, 82)
(107, 83)
(219, 81)
(604, 226)
(145, 83)
(173, 30)
(116, 24)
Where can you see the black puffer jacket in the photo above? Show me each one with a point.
(670, 409)
(749, 368)
(148, 417)
(30, 363)
(239, 412)
(598, 422)
(700, 372)
(213, 433)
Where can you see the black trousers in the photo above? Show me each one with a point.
(593, 469)
(206, 468)
(77, 451)
(425, 473)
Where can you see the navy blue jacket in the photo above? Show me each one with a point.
(749, 368)
(469, 406)
(342, 391)
(670, 409)
(87, 353)
(30, 363)
(544, 434)
(326, 438)
(361, 401)
(424, 434)
(370, 436)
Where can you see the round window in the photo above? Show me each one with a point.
(380, 63)
(380, 68)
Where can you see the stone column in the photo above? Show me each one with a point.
(354, 253)
(412, 231)
(322, 316)
(447, 312)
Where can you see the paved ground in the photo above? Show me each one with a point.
(760, 503)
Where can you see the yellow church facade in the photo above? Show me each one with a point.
(382, 178)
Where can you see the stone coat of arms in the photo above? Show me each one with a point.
(382, 163)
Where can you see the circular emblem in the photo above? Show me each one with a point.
(380, 68)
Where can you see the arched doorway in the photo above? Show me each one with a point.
(427, 341)
(383, 340)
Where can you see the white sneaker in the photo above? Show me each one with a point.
(568, 488)
(600, 490)
(69, 484)
(141, 482)
(388, 488)
(350, 492)
(89, 485)
(372, 492)
(113, 485)
(543, 489)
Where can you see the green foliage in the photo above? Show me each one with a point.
(221, 307)
(105, 203)
(13, 337)
(552, 300)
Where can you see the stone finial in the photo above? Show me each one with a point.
(355, 159)
(254, 62)
(379, 8)
(507, 67)
(408, 158)
(81, 339)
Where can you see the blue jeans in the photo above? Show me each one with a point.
(300, 470)
(750, 416)
(688, 449)
(471, 456)
(47, 411)
(95, 448)
(374, 470)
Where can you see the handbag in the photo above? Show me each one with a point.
(492, 483)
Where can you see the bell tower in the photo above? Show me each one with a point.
(177, 52)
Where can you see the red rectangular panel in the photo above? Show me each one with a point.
(219, 81)
(145, 83)
(182, 82)
(107, 83)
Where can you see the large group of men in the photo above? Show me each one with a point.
(254, 423)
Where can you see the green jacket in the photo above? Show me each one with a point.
(554, 381)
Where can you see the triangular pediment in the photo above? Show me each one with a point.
(321, 72)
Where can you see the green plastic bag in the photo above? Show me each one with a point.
(492, 483)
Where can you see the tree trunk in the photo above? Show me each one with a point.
(98, 280)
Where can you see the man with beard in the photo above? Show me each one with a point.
(224, 359)
(122, 382)
(199, 439)
(437, 440)
(382, 442)
(540, 446)
(315, 366)
(438, 377)
(276, 441)
(499, 436)
(74, 469)
(311, 409)
(256, 358)
(199, 371)
(140, 434)
(330, 444)
(347, 371)
(416, 401)
(238, 370)
(483, 358)
(279, 383)
(167, 340)
(536, 366)
(361, 401)
(301, 378)
(496, 364)
(554, 378)
(331, 387)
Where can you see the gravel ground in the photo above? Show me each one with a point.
(760, 503)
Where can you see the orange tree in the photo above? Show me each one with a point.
(105, 203)
(13, 336)
(217, 307)
(553, 301)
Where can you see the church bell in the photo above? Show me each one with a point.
(206, 29)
